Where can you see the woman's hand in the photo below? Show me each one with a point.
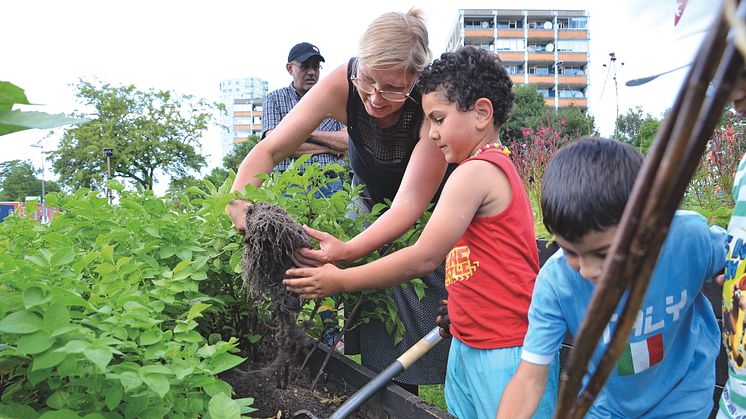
(313, 283)
(236, 209)
(331, 250)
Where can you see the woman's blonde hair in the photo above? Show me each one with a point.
(396, 40)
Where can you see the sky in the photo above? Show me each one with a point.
(190, 46)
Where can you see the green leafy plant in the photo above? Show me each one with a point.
(100, 311)
(17, 120)
(297, 191)
(531, 156)
(709, 192)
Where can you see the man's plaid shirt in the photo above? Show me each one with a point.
(277, 104)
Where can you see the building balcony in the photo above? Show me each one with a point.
(574, 80)
(541, 79)
(252, 127)
(510, 33)
(579, 81)
(247, 113)
(481, 34)
(540, 57)
(511, 56)
(572, 34)
(573, 57)
(580, 102)
(516, 78)
(540, 34)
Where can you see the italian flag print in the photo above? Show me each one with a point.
(639, 356)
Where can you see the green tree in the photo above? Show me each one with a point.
(573, 122)
(217, 175)
(648, 131)
(148, 131)
(18, 179)
(529, 111)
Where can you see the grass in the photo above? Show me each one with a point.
(434, 395)
(430, 394)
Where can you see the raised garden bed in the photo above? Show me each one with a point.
(341, 379)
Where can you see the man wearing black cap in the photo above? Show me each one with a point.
(329, 142)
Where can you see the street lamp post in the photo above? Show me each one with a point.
(44, 218)
(108, 152)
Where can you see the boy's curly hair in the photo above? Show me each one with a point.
(467, 74)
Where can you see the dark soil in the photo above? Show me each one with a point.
(272, 402)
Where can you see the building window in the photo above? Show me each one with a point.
(510, 45)
(578, 23)
(572, 46)
(510, 24)
(514, 69)
(537, 47)
(478, 23)
(539, 69)
(571, 70)
(571, 94)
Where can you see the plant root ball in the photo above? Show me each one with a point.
(272, 235)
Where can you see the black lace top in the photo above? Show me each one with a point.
(378, 155)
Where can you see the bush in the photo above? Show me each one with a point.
(99, 311)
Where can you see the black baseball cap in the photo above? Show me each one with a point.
(303, 51)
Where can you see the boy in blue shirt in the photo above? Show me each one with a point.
(668, 369)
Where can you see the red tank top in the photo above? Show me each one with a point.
(490, 272)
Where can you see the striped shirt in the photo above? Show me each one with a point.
(277, 104)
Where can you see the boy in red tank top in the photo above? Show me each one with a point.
(483, 226)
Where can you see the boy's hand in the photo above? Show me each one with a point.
(313, 283)
(442, 319)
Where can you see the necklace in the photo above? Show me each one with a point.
(489, 146)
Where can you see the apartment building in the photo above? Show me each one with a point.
(243, 102)
(545, 48)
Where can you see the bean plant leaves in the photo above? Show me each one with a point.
(34, 296)
(35, 343)
(157, 383)
(222, 407)
(20, 322)
(99, 356)
(224, 362)
(113, 396)
(48, 359)
(60, 414)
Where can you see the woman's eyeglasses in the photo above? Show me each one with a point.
(369, 89)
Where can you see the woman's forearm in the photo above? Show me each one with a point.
(259, 160)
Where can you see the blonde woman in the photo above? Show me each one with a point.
(375, 96)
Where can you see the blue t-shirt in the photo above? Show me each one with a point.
(668, 369)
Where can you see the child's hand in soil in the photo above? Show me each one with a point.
(313, 283)
(443, 320)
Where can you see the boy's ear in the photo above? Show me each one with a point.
(484, 111)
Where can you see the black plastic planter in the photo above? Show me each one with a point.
(391, 402)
